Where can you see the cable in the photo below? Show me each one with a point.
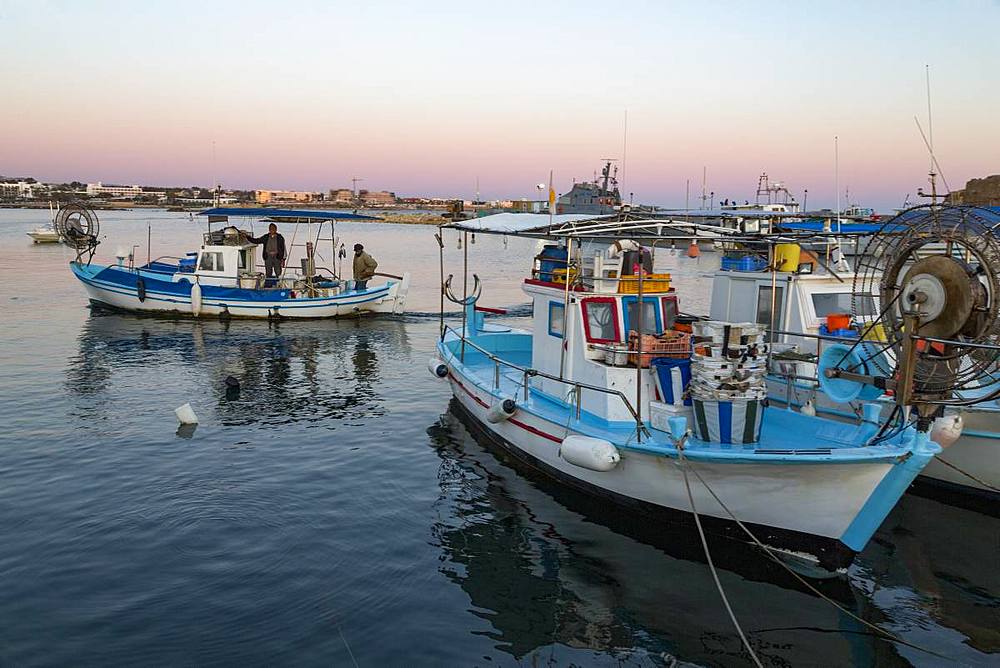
(708, 557)
(882, 632)
(967, 474)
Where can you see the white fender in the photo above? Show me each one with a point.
(591, 453)
(622, 245)
(196, 299)
(945, 430)
(437, 368)
(501, 410)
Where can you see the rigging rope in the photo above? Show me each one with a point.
(770, 553)
(967, 474)
(708, 557)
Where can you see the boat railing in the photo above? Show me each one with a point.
(529, 373)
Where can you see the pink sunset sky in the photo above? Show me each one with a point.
(423, 98)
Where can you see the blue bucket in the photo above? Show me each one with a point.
(672, 378)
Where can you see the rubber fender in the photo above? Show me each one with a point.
(196, 299)
(140, 288)
(502, 410)
(591, 453)
(437, 368)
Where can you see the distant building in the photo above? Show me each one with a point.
(978, 192)
(274, 196)
(99, 189)
(342, 195)
(377, 198)
(21, 189)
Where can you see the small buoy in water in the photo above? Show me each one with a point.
(693, 250)
(808, 408)
(185, 414)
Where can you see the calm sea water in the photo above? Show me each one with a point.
(336, 513)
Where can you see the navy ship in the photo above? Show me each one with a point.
(600, 196)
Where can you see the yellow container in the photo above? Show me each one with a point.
(874, 332)
(629, 285)
(786, 257)
(559, 275)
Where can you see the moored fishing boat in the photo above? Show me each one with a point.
(223, 277)
(45, 234)
(583, 398)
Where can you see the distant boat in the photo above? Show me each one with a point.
(44, 235)
(222, 278)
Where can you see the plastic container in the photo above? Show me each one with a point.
(551, 258)
(629, 285)
(672, 378)
(786, 257)
(734, 421)
(835, 321)
(743, 263)
(668, 344)
(858, 360)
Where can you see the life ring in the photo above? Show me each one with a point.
(140, 288)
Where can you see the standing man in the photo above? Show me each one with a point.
(364, 267)
(274, 253)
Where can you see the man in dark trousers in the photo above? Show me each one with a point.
(364, 267)
(274, 253)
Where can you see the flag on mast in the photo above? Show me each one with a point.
(552, 195)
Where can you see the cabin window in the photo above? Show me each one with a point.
(601, 316)
(826, 303)
(650, 315)
(243, 259)
(211, 262)
(764, 305)
(669, 312)
(556, 312)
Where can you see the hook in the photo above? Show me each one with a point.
(477, 289)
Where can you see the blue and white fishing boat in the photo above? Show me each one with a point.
(223, 277)
(576, 398)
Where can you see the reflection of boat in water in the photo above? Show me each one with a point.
(291, 372)
(542, 565)
(222, 278)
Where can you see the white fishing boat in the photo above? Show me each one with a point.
(806, 298)
(587, 398)
(223, 277)
(45, 234)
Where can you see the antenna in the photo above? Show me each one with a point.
(930, 119)
(929, 143)
(836, 174)
(621, 181)
(477, 188)
(704, 194)
(354, 186)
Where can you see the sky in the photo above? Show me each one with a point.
(424, 98)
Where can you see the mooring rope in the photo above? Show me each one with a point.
(708, 557)
(967, 474)
(882, 632)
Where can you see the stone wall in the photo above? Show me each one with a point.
(979, 192)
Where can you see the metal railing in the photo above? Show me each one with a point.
(529, 373)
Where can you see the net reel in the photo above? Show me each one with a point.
(78, 226)
(933, 271)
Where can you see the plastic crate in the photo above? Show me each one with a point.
(744, 263)
(668, 344)
(629, 285)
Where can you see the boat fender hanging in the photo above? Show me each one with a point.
(437, 368)
(196, 299)
(591, 453)
(140, 288)
(946, 429)
(501, 411)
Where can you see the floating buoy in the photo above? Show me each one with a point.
(437, 368)
(693, 250)
(591, 453)
(196, 299)
(185, 414)
(501, 411)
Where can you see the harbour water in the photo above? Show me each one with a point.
(335, 512)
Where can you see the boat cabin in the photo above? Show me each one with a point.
(226, 259)
(596, 340)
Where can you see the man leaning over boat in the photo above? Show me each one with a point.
(274, 253)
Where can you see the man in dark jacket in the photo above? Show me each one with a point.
(364, 267)
(274, 252)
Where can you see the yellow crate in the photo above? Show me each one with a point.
(559, 275)
(629, 285)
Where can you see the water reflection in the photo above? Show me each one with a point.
(287, 372)
(544, 567)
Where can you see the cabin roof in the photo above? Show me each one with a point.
(284, 215)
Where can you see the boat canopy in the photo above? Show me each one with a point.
(517, 223)
(284, 214)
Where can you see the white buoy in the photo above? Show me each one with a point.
(808, 408)
(946, 429)
(501, 411)
(185, 414)
(196, 299)
(437, 368)
(591, 453)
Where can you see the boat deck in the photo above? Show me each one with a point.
(785, 435)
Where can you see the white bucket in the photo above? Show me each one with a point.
(185, 414)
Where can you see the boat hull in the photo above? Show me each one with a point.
(977, 451)
(44, 237)
(821, 512)
(119, 288)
